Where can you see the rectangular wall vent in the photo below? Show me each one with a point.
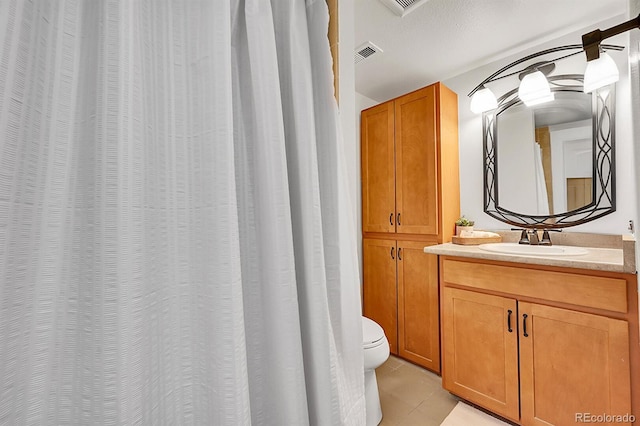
(402, 7)
(365, 50)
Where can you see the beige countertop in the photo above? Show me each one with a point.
(597, 258)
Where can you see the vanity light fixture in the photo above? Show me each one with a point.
(534, 90)
(483, 100)
(601, 69)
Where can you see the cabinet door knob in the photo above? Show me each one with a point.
(400, 253)
(398, 221)
(392, 252)
(509, 329)
(524, 325)
(391, 219)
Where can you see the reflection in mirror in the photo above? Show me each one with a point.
(545, 155)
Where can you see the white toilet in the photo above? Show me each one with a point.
(376, 352)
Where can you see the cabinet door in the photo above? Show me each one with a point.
(572, 363)
(416, 163)
(378, 169)
(418, 310)
(380, 296)
(480, 350)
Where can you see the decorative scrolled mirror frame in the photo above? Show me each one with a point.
(604, 188)
(603, 157)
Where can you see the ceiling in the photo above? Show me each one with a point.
(444, 38)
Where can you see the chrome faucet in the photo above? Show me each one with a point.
(534, 240)
(546, 238)
(531, 237)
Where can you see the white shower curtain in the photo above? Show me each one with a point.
(174, 237)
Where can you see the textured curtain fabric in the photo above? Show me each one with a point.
(175, 247)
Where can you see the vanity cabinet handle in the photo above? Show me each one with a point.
(398, 221)
(400, 253)
(509, 329)
(524, 325)
(392, 252)
(391, 219)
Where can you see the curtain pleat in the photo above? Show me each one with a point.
(174, 237)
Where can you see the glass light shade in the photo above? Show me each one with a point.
(534, 89)
(537, 101)
(600, 72)
(483, 100)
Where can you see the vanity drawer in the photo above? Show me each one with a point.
(576, 289)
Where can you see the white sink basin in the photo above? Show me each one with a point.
(527, 250)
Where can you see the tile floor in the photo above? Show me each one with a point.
(411, 395)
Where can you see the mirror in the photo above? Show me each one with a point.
(551, 165)
(545, 154)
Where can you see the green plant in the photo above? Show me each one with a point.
(463, 221)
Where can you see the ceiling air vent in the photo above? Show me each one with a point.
(366, 50)
(402, 7)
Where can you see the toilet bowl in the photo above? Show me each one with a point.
(376, 352)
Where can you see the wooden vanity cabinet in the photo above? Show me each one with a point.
(410, 199)
(572, 362)
(402, 297)
(513, 346)
(480, 352)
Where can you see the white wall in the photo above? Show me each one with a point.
(634, 65)
(470, 137)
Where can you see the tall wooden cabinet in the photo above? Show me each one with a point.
(409, 152)
(377, 153)
(399, 296)
(410, 199)
(380, 292)
(418, 313)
